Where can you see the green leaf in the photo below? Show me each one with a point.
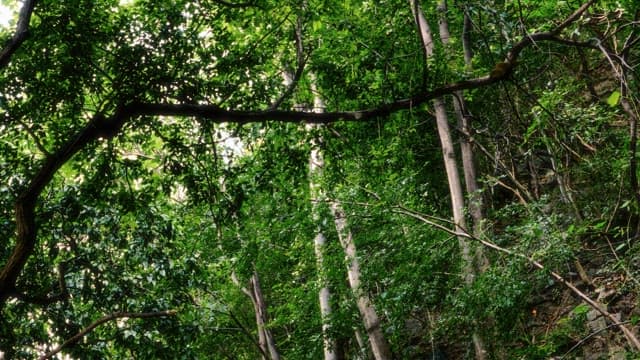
(614, 98)
(581, 309)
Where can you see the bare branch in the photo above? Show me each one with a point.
(21, 34)
(573, 17)
(77, 337)
(512, 56)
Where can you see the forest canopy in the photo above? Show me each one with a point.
(319, 179)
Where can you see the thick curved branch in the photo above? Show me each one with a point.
(102, 127)
(82, 333)
(21, 34)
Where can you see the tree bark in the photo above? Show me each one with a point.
(20, 35)
(266, 341)
(316, 164)
(262, 318)
(448, 153)
(379, 345)
(475, 202)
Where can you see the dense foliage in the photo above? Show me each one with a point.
(154, 161)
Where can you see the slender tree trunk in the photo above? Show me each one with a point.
(316, 164)
(324, 295)
(379, 345)
(448, 152)
(362, 346)
(261, 312)
(475, 201)
(266, 341)
(455, 188)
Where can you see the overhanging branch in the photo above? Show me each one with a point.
(219, 115)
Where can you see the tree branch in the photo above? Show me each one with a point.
(552, 35)
(219, 115)
(237, 5)
(77, 337)
(20, 35)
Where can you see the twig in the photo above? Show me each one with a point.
(585, 339)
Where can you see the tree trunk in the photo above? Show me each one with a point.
(316, 163)
(475, 202)
(455, 188)
(265, 339)
(261, 314)
(448, 152)
(324, 297)
(379, 345)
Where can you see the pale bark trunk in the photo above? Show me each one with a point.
(379, 345)
(261, 312)
(266, 341)
(448, 152)
(455, 188)
(475, 203)
(324, 297)
(316, 163)
(362, 346)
